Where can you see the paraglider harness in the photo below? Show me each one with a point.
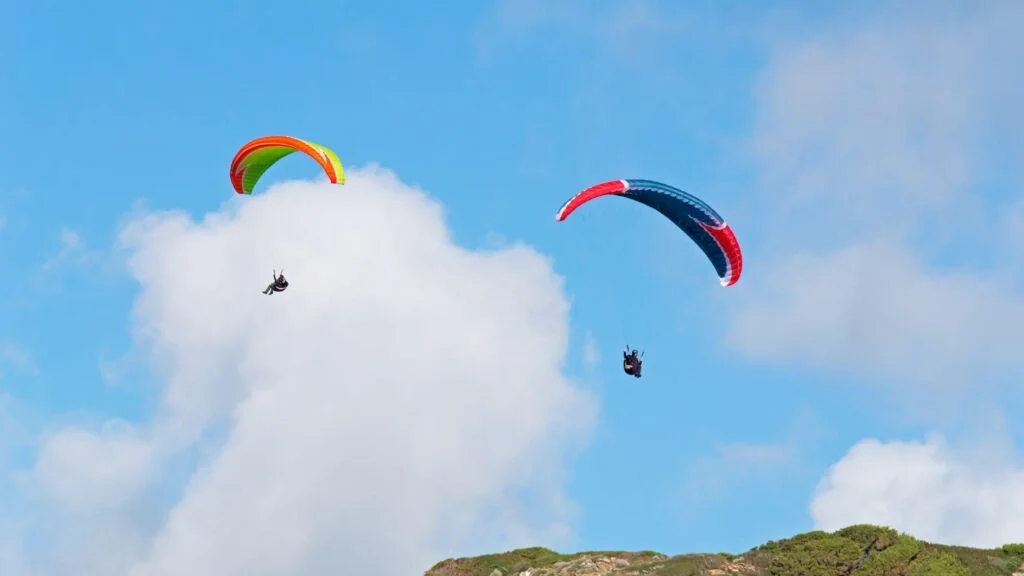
(631, 363)
(278, 285)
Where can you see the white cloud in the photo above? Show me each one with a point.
(884, 142)
(82, 471)
(403, 395)
(884, 127)
(874, 139)
(928, 489)
(875, 310)
(95, 485)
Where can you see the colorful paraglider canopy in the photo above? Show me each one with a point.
(692, 215)
(253, 159)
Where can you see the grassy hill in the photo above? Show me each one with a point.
(855, 551)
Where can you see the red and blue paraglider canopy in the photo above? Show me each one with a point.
(691, 214)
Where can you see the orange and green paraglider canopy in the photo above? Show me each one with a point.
(253, 159)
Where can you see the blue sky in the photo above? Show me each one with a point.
(828, 134)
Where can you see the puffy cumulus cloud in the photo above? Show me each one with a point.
(875, 309)
(87, 471)
(92, 486)
(928, 489)
(405, 395)
(884, 125)
(883, 142)
(874, 137)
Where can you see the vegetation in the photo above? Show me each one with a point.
(861, 550)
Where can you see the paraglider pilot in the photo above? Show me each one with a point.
(631, 363)
(278, 285)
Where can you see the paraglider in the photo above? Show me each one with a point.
(692, 215)
(631, 363)
(256, 156)
(280, 284)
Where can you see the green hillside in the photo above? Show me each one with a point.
(855, 551)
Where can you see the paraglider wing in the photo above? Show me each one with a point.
(253, 159)
(692, 215)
